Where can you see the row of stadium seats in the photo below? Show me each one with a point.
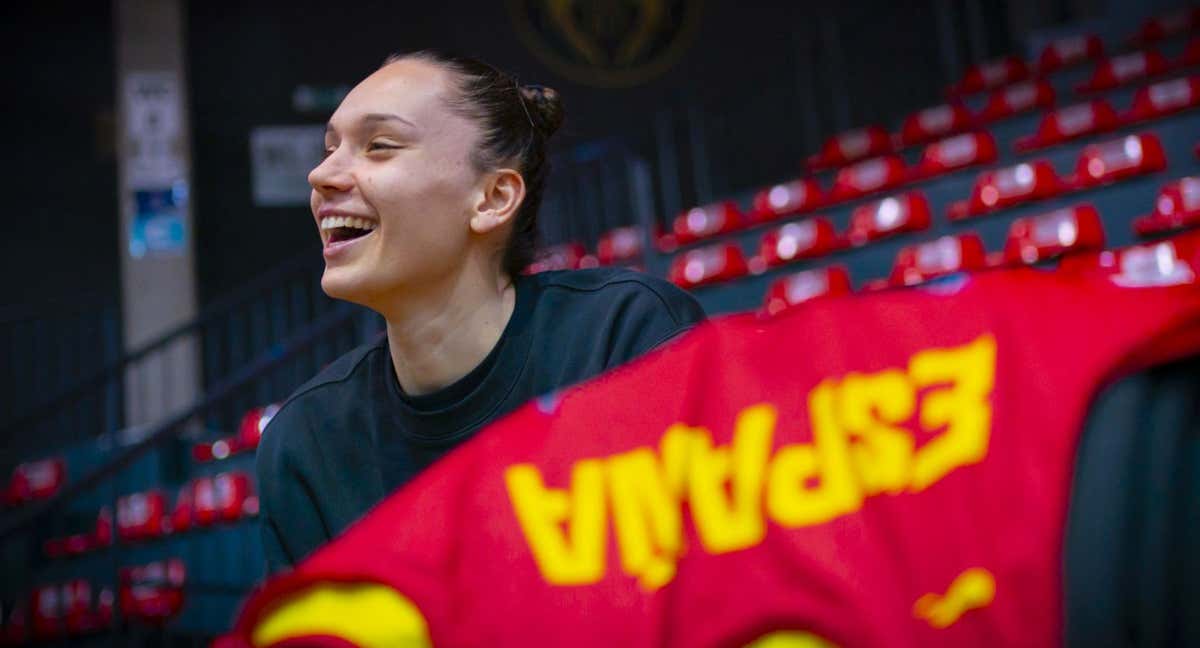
(151, 594)
(1097, 164)
(1075, 239)
(1012, 92)
(621, 246)
(202, 502)
(815, 236)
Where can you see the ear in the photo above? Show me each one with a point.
(503, 192)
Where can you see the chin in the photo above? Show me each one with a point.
(339, 284)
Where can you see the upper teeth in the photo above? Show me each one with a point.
(333, 222)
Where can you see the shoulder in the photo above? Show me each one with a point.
(288, 431)
(611, 286)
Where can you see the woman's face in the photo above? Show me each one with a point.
(394, 194)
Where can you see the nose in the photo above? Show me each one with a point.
(332, 175)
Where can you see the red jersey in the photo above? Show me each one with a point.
(882, 469)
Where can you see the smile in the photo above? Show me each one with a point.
(340, 229)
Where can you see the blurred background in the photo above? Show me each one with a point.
(163, 266)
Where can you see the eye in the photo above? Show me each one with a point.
(382, 146)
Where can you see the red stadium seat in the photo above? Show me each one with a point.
(946, 255)
(809, 238)
(787, 199)
(1177, 207)
(805, 286)
(566, 256)
(35, 480)
(252, 426)
(1169, 262)
(699, 223)
(1047, 236)
(250, 430)
(622, 245)
(955, 153)
(868, 177)
(232, 490)
(1164, 98)
(1167, 25)
(76, 605)
(1125, 69)
(707, 265)
(935, 123)
(220, 498)
(82, 614)
(1069, 51)
(1118, 159)
(46, 604)
(153, 593)
(1069, 123)
(140, 516)
(907, 212)
(992, 74)
(1007, 187)
(852, 146)
(1016, 99)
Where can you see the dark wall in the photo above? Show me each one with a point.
(61, 241)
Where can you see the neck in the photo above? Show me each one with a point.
(440, 333)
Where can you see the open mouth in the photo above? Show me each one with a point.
(339, 229)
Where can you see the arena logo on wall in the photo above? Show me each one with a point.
(607, 44)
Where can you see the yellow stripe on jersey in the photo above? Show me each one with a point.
(367, 615)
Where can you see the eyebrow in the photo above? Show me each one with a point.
(377, 117)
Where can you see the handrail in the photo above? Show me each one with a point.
(164, 431)
(212, 312)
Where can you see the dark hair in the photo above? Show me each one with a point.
(516, 121)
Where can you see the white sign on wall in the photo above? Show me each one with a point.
(281, 157)
(153, 129)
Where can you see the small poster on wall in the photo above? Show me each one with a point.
(281, 157)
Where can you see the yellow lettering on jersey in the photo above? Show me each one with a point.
(962, 406)
(791, 501)
(647, 517)
(790, 639)
(869, 407)
(860, 448)
(974, 588)
(726, 483)
(365, 614)
(565, 529)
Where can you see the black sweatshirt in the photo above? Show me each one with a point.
(349, 436)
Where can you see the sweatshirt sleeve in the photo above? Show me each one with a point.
(290, 523)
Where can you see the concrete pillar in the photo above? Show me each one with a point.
(158, 277)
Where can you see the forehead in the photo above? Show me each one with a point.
(414, 89)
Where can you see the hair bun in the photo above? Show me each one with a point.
(545, 108)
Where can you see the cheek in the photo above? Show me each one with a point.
(424, 203)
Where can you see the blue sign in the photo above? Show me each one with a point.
(158, 226)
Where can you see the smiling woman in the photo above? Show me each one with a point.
(426, 203)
